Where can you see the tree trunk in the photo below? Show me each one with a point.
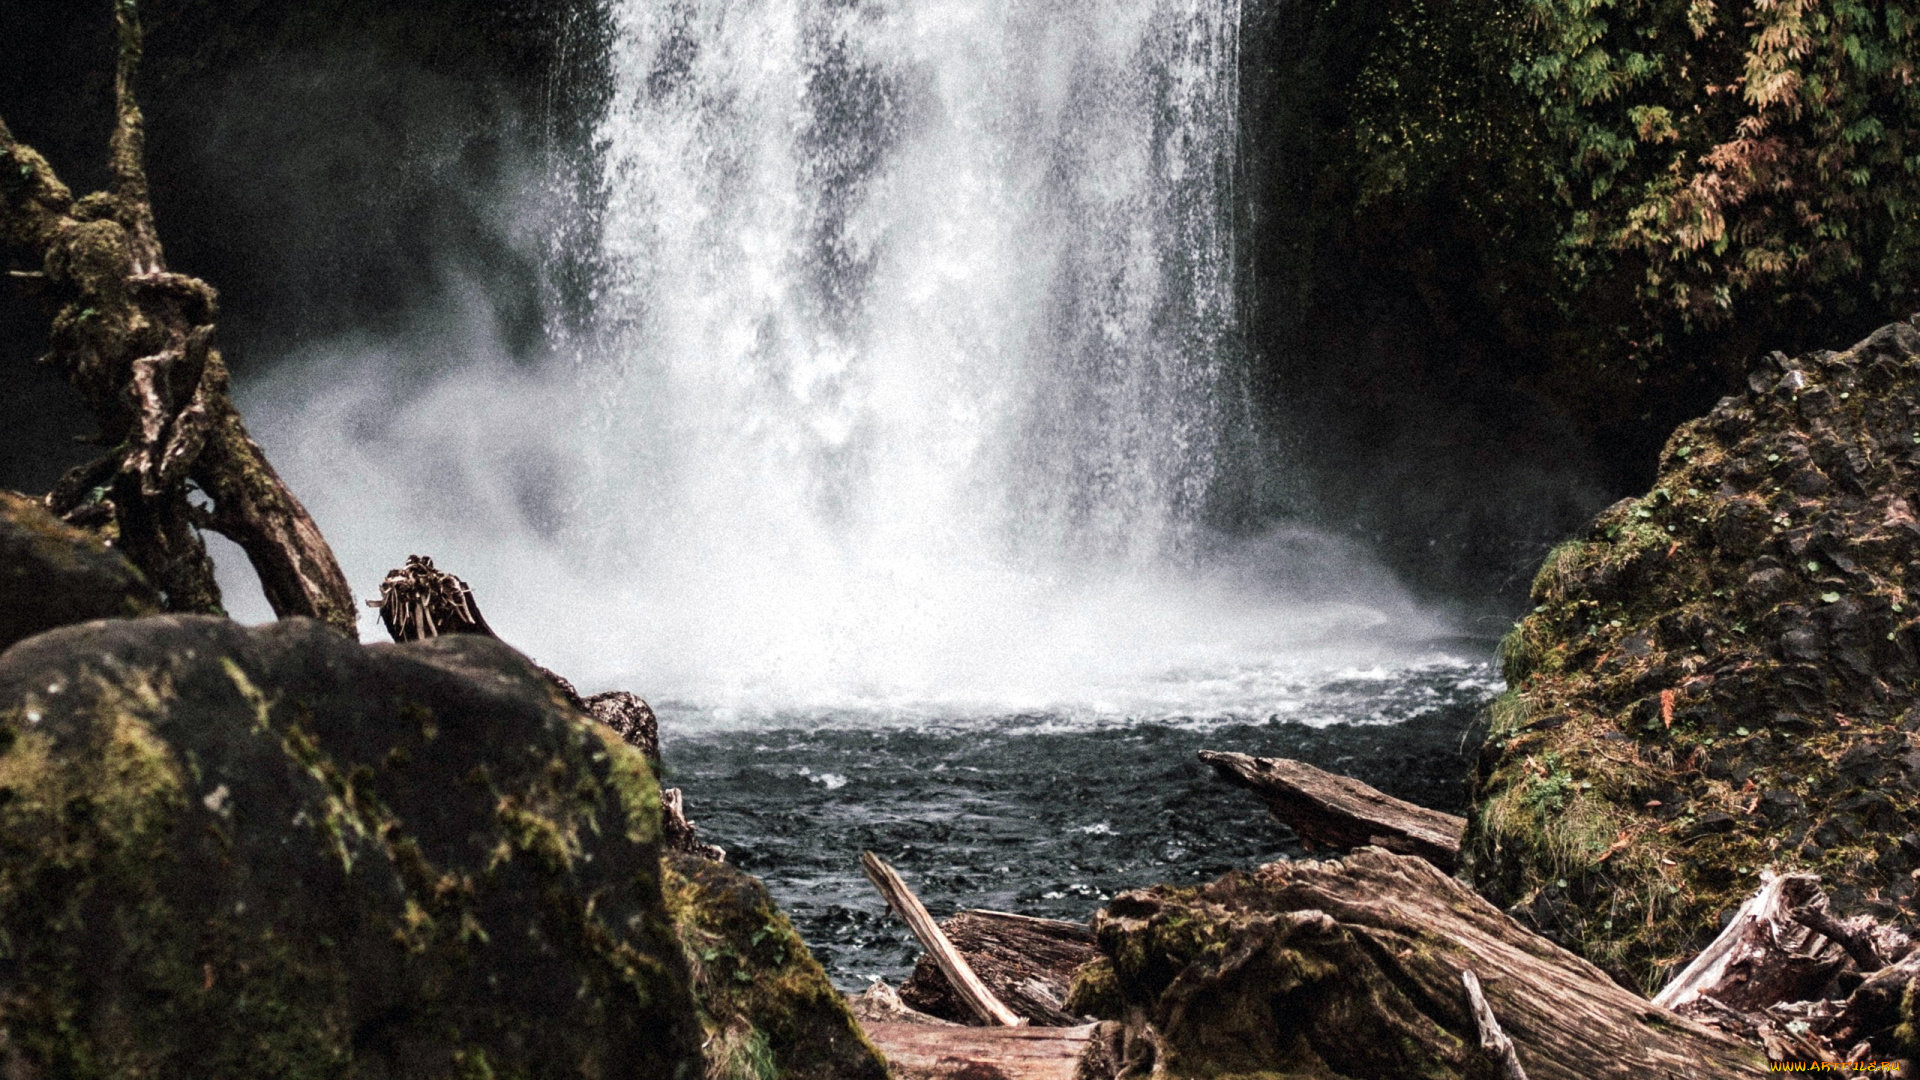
(1340, 812)
(1763, 957)
(136, 341)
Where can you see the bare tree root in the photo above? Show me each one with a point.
(135, 340)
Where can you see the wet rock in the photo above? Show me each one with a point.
(631, 717)
(1760, 598)
(52, 574)
(235, 852)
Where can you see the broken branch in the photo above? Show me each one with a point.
(1493, 1040)
(954, 966)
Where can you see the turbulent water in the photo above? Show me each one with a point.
(1045, 815)
(890, 461)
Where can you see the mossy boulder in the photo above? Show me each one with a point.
(1721, 675)
(52, 574)
(233, 852)
(766, 1006)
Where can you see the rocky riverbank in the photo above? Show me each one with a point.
(1720, 676)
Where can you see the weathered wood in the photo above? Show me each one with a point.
(1352, 968)
(1764, 956)
(419, 601)
(954, 966)
(135, 340)
(1340, 812)
(1027, 963)
(1493, 1040)
(927, 1052)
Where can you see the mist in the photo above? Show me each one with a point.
(909, 381)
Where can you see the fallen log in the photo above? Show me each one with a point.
(925, 1052)
(1340, 812)
(1353, 968)
(1027, 963)
(979, 1000)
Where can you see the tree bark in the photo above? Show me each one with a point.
(1340, 812)
(1027, 963)
(136, 341)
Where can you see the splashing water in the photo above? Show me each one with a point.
(911, 382)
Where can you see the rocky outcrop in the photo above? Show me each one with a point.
(232, 852)
(1720, 676)
(1353, 969)
(766, 1006)
(52, 574)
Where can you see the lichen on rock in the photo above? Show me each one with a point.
(1720, 676)
(271, 852)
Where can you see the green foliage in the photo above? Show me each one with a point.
(1637, 196)
(1726, 150)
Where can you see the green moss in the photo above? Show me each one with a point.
(767, 1008)
(1096, 992)
(1656, 694)
(53, 575)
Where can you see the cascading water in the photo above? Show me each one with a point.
(909, 389)
(916, 328)
(886, 466)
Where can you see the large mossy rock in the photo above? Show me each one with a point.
(52, 574)
(766, 1006)
(232, 852)
(1720, 676)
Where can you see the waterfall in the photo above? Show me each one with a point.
(910, 377)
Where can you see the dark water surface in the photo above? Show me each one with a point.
(1037, 814)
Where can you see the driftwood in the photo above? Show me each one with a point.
(418, 601)
(1763, 957)
(924, 1052)
(1027, 963)
(1353, 968)
(1769, 975)
(135, 340)
(1340, 812)
(959, 974)
(881, 1004)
